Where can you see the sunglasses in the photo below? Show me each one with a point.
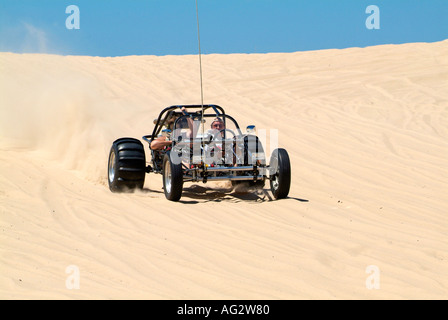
(217, 125)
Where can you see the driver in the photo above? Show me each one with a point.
(215, 150)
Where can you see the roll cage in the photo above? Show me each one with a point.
(194, 110)
(196, 113)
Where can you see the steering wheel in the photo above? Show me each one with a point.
(219, 134)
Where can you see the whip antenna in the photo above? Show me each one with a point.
(200, 69)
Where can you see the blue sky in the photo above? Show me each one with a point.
(168, 27)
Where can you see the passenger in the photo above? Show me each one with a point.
(161, 141)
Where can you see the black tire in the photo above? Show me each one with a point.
(126, 167)
(173, 179)
(280, 173)
(251, 145)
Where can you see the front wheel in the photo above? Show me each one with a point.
(280, 173)
(173, 179)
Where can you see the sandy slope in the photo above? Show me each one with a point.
(367, 133)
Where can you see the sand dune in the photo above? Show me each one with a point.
(367, 133)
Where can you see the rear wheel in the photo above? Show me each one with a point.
(280, 173)
(127, 165)
(173, 179)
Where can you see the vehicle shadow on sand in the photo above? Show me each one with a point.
(195, 194)
(207, 194)
(230, 194)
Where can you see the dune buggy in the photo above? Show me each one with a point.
(195, 152)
